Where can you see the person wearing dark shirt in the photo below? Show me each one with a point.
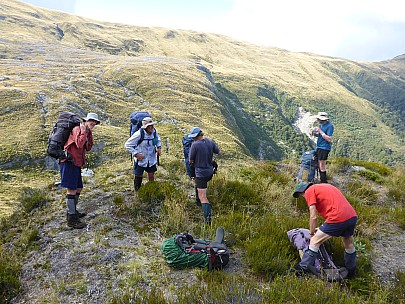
(200, 158)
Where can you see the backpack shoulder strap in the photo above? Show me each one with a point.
(142, 131)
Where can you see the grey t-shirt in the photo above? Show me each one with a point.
(201, 153)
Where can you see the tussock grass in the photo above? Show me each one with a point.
(362, 191)
(33, 198)
(396, 185)
(10, 270)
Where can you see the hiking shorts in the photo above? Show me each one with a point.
(343, 229)
(70, 175)
(322, 154)
(138, 170)
(201, 182)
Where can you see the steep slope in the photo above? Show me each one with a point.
(245, 96)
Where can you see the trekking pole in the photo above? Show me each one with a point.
(157, 155)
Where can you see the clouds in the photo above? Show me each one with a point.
(360, 30)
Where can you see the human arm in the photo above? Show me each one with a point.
(313, 219)
(158, 144)
(324, 136)
(78, 137)
(132, 145)
(326, 132)
(89, 142)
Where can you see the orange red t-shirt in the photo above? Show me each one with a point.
(330, 203)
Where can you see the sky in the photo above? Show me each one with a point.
(360, 30)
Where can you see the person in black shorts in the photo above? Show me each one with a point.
(200, 158)
(324, 142)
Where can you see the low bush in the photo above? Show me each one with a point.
(396, 185)
(152, 194)
(399, 216)
(269, 251)
(10, 271)
(31, 198)
(232, 195)
(339, 164)
(370, 175)
(379, 168)
(363, 191)
(397, 294)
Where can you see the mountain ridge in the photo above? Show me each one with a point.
(261, 87)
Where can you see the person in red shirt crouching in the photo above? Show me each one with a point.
(340, 221)
(80, 141)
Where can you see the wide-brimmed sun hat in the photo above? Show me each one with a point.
(194, 132)
(300, 187)
(322, 116)
(92, 116)
(147, 121)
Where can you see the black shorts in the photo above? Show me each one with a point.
(344, 229)
(138, 170)
(322, 154)
(201, 182)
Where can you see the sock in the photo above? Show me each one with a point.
(207, 211)
(314, 249)
(70, 203)
(350, 251)
(77, 198)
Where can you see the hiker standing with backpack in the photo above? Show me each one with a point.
(145, 146)
(80, 140)
(324, 142)
(200, 158)
(340, 220)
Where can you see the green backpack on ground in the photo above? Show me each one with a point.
(183, 251)
(176, 257)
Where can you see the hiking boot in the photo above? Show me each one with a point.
(81, 214)
(74, 222)
(352, 273)
(300, 272)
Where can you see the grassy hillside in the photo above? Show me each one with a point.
(53, 61)
(247, 98)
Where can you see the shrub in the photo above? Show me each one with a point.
(397, 294)
(340, 164)
(9, 277)
(370, 175)
(399, 216)
(232, 195)
(363, 191)
(396, 185)
(175, 168)
(373, 166)
(267, 173)
(152, 194)
(33, 198)
(268, 251)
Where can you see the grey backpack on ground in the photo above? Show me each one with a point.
(323, 266)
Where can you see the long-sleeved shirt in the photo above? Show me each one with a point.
(147, 147)
(79, 141)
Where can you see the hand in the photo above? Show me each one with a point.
(159, 151)
(83, 128)
(139, 156)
